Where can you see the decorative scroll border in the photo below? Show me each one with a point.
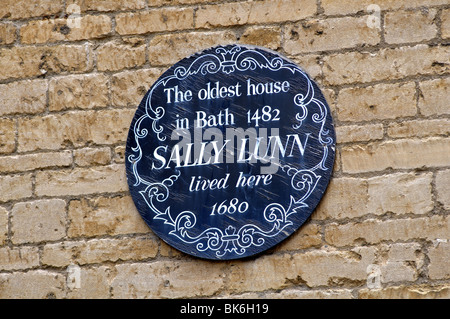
(231, 241)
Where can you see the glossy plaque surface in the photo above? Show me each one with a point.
(229, 152)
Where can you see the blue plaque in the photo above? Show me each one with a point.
(229, 152)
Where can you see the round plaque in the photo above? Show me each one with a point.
(229, 152)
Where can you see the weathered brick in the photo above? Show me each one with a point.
(7, 33)
(30, 61)
(400, 262)
(54, 30)
(335, 268)
(23, 9)
(356, 133)
(280, 271)
(94, 284)
(77, 181)
(382, 101)
(7, 136)
(18, 258)
(98, 250)
(249, 12)
(77, 129)
(400, 194)
(269, 37)
(3, 226)
(37, 221)
(443, 187)
(92, 156)
(363, 67)
(28, 162)
(419, 128)
(110, 126)
(155, 20)
(61, 254)
(109, 5)
(157, 3)
(311, 64)
(445, 24)
(280, 10)
(329, 34)
(113, 56)
(337, 162)
(167, 279)
(34, 284)
(356, 197)
(170, 48)
(25, 97)
(78, 91)
(66, 58)
(434, 96)
(104, 215)
(397, 252)
(168, 251)
(404, 153)
(52, 132)
(307, 236)
(344, 198)
(119, 154)
(308, 294)
(128, 88)
(332, 7)
(407, 292)
(15, 187)
(315, 268)
(222, 15)
(373, 231)
(101, 250)
(408, 26)
(439, 256)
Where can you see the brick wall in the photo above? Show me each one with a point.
(73, 72)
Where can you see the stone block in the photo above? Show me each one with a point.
(34, 284)
(79, 181)
(104, 216)
(397, 154)
(409, 26)
(329, 34)
(78, 92)
(38, 221)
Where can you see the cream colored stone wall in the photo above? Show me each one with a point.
(72, 73)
